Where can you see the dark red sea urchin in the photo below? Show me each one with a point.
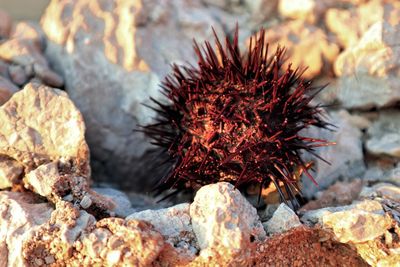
(236, 118)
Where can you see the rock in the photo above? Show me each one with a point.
(368, 71)
(7, 89)
(349, 25)
(48, 76)
(22, 52)
(345, 158)
(42, 125)
(5, 24)
(384, 137)
(225, 224)
(29, 30)
(316, 216)
(20, 215)
(10, 172)
(307, 46)
(382, 190)
(73, 237)
(356, 223)
(283, 220)
(17, 74)
(123, 72)
(339, 194)
(123, 206)
(302, 9)
(174, 224)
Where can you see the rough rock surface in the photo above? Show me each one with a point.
(339, 194)
(225, 224)
(174, 224)
(20, 214)
(41, 125)
(73, 237)
(123, 72)
(283, 220)
(350, 24)
(346, 157)
(384, 138)
(368, 71)
(306, 45)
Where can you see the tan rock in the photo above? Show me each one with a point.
(174, 224)
(72, 237)
(300, 9)
(20, 215)
(29, 30)
(349, 25)
(10, 172)
(225, 224)
(307, 46)
(368, 71)
(40, 125)
(357, 225)
(22, 52)
(7, 89)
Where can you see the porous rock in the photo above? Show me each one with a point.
(73, 237)
(174, 224)
(368, 71)
(123, 72)
(225, 224)
(283, 219)
(42, 125)
(20, 215)
(357, 223)
(384, 135)
(346, 159)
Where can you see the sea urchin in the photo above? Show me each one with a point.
(236, 118)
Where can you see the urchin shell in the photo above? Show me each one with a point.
(236, 118)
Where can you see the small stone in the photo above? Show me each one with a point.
(385, 135)
(49, 259)
(31, 31)
(113, 257)
(224, 223)
(48, 76)
(68, 198)
(123, 206)
(43, 179)
(5, 24)
(86, 202)
(357, 224)
(17, 74)
(283, 220)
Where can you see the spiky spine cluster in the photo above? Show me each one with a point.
(236, 118)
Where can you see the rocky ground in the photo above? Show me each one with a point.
(77, 79)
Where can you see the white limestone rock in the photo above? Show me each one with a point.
(225, 224)
(283, 219)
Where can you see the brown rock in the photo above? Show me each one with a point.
(5, 24)
(341, 193)
(48, 76)
(7, 89)
(305, 247)
(307, 46)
